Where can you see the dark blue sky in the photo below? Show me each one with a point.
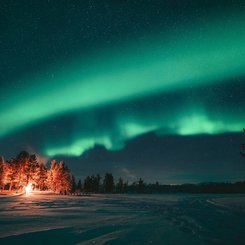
(139, 88)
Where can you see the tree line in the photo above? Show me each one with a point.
(24, 169)
(18, 172)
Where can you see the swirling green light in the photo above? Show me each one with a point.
(195, 58)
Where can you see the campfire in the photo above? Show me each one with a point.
(28, 189)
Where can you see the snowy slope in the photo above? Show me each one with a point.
(122, 219)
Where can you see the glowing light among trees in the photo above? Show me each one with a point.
(28, 189)
(24, 174)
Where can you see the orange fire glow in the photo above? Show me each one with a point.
(28, 188)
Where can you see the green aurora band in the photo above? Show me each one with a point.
(192, 58)
(189, 125)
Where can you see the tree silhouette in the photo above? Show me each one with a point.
(73, 184)
(92, 183)
(87, 184)
(141, 185)
(108, 183)
(120, 186)
(97, 183)
(243, 146)
(79, 186)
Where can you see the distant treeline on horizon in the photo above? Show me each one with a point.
(92, 185)
(24, 169)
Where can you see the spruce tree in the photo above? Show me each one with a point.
(108, 183)
(79, 186)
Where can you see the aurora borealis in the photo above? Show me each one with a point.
(85, 81)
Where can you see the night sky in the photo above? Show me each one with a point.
(152, 89)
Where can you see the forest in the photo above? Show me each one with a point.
(25, 170)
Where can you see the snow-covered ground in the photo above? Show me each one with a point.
(122, 219)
